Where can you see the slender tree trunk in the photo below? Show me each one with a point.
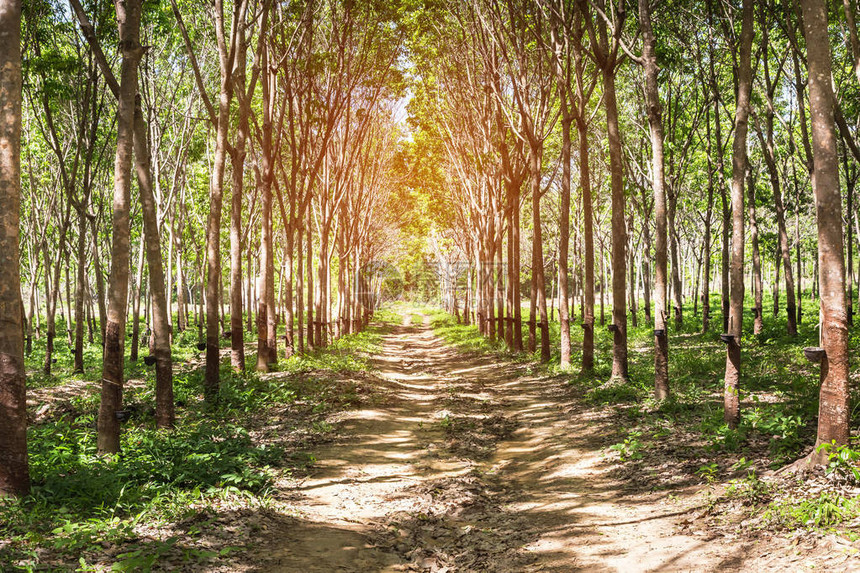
(758, 322)
(137, 290)
(588, 239)
(80, 285)
(538, 286)
(655, 121)
(632, 292)
(706, 279)
(161, 330)
(300, 301)
(212, 379)
(68, 301)
(724, 200)
(14, 470)
(564, 233)
(310, 271)
(774, 288)
(509, 333)
(799, 298)
(739, 164)
(237, 334)
(833, 409)
(100, 281)
(849, 241)
(128, 20)
(518, 314)
(645, 272)
(500, 279)
(677, 267)
(619, 229)
(265, 307)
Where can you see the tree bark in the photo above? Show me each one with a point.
(655, 122)
(538, 286)
(619, 229)
(739, 163)
(833, 408)
(758, 323)
(128, 14)
(588, 239)
(14, 469)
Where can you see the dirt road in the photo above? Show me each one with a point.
(472, 464)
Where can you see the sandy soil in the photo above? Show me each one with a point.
(472, 464)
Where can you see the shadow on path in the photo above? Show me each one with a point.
(473, 464)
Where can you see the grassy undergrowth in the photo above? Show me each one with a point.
(83, 504)
(684, 439)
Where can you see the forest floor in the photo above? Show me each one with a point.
(419, 446)
(470, 463)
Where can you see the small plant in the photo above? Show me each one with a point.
(842, 461)
(750, 490)
(709, 472)
(827, 510)
(629, 448)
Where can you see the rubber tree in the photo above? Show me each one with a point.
(165, 410)
(14, 470)
(654, 111)
(731, 399)
(605, 51)
(128, 21)
(833, 407)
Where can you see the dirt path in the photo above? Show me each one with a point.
(475, 465)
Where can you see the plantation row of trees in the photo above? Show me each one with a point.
(117, 168)
(652, 152)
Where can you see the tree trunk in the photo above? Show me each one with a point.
(756, 255)
(300, 300)
(677, 282)
(212, 379)
(849, 240)
(706, 278)
(515, 271)
(724, 200)
(137, 290)
(739, 164)
(564, 232)
(100, 281)
(619, 229)
(14, 470)
(80, 281)
(265, 307)
(237, 335)
(538, 286)
(161, 330)
(310, 271)
(588, 239)
(128, 14)
(655, 122)
(833, 408)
